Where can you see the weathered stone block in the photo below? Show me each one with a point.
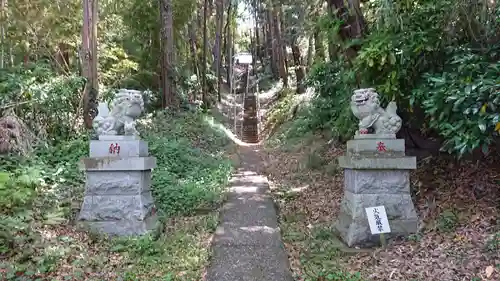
(377, 181)
(378, 163)
(397, 206)
(126, 148)
(118, 164)
(356, 232)
(118, 182)
(114, 208)
(122, 227)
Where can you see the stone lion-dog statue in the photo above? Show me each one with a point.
(126, 107)
(365, 105)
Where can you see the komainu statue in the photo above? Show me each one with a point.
(366, 107)
(126, 107)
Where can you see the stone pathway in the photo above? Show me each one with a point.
(247, 245)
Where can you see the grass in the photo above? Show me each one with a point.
(41, 195)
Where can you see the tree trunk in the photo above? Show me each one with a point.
(168, 75)
(280, 54)
(332, 48)
(89, 61)
(299, 67)
(194, 54)
(310, 47)
(228, 42)
(219, 10)
(2, 27)
(319, 49)
(272, 46)
(62, 57)
(204, 65)
(353, 22)
(257, 37)
(283, 42)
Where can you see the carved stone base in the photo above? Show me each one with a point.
(122, 227)
(376, 178)
(356, 232)
(118, 199)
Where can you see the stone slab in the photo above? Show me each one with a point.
(118, 164)
(397, 206)
(371, 145)
(114, 208)
(246, 183)
(249, 210)
(117, 182)
(249, 263)
(128, 148)
(356, 233)
(377, 181)
(118, 138)
(122, 227)
(375, 136)
(378, 163)
(230, 235)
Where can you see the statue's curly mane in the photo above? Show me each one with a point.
(122, 101)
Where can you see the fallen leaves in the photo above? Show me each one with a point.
(489, 271)
(68, 253)
(457, 203)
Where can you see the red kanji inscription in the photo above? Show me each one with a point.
(114, 148)
(381, 147)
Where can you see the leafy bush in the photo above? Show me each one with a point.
(16, 191)
(328, 110)
(191, 172)
(39, 188)
(462, 101)
(47, 102)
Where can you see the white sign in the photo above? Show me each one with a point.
(243, 58)
(377, 218)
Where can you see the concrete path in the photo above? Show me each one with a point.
(247, 245)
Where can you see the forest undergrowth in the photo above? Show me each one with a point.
(41, 193)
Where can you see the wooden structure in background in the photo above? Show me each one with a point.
(88, 57)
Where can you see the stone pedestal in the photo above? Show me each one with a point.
(376, 173)
(118, 198)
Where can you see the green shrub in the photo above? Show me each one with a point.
(462, 101)
(329, 110)
(39, 188)
(17, 190)
(46, 102)
(191, 170)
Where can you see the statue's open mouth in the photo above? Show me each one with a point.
(361, 100)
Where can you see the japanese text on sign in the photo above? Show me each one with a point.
(377, 219)
(114, 148)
